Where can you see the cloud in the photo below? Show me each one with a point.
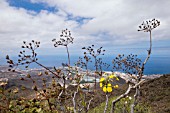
(116, 17)
(111, 23)
(18, 24)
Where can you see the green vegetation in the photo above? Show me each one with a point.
(121, 107)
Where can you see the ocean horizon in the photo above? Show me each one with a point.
(155, 65)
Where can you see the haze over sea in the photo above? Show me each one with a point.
(159, 62)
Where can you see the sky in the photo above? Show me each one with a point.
(112, 24)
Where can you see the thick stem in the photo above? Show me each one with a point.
(68, 56)
(63, 92)
(141, 74)
(74, 99)
(125, 94)
(147, 58)
(74, 102)
(88, 106)
(106, 105)
(120, 97)
(64, 88)
(96, 71)
(87, 73)
(135, 100)
(149, 51)
(150, 41)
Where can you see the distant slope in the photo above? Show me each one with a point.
(156, 93)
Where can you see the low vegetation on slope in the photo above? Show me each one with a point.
(156, 93)
(154, 98)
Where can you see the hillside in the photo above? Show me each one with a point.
(156, 93)
(154, 97)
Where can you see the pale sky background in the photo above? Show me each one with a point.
(112, 24)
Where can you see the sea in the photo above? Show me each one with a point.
(157, 64)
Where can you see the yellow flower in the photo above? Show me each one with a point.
(109, 85)
(117, 78)
(116, 86)
(101, 85)
(112, 76)
(107, 88)
(101, 80)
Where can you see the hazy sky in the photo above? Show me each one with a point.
(112, 24)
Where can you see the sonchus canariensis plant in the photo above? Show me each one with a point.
(134, 66)
(107, 87)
